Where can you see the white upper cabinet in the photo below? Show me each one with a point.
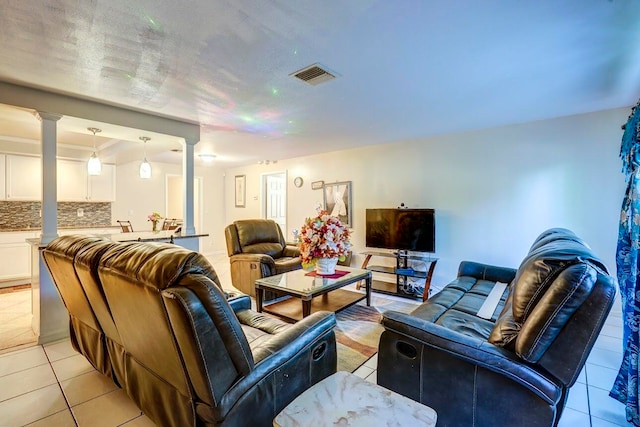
(102, 188)
(20, 179)
(76, 185)
(23, 178)
(72, 181)
(3, 191)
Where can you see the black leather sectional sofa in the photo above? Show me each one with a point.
(154, 318)
(516, 366)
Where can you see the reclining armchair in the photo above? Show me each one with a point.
(184, 350)
(510, 363)
(257, 249)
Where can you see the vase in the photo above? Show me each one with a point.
(155, 225)
(326, 266)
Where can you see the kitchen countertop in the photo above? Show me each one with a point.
(138, 236)
(86, 227)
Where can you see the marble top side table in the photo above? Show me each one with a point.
(346, 399)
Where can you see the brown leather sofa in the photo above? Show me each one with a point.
(257, 249)
(514, 366)
(154, 317)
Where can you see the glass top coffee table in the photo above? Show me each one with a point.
(316, 292)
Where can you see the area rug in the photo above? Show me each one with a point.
(358, 330)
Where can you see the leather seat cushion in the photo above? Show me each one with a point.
(466, 324)
(463, 295)
(259, 328)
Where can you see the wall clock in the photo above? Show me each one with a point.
(298, 181)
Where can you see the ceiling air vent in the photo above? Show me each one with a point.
(313, 75)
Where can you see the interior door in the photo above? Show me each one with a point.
(275, 188)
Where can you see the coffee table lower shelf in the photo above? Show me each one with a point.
(290, 309)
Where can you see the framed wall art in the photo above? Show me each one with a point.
(241, 190)
(337, 201)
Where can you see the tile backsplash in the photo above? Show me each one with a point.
(20, 215)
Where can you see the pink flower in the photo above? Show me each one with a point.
(323, 236)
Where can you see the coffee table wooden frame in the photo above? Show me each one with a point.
(333, 298)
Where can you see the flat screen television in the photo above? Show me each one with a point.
(403, 229)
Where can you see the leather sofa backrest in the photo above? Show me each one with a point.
(554, 282)
(255, 236)
(142, 282)
(211, 341)
(86, 265)
(87, 334)
(133, 276)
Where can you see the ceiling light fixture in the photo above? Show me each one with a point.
(207, 157)
(94, 167)
(145, 166)
(266, 162)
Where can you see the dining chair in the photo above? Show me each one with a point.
(126, 226)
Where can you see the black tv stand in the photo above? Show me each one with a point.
(402, 271)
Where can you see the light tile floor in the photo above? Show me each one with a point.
(15, 318)
(52, 385)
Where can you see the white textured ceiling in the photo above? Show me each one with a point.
(406, 69)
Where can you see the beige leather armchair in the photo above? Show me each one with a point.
(257, 249)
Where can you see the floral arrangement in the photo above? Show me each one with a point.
(154, 217)
(323, 236)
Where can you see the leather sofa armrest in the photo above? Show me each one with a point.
(488, 272)
(284, 348)
(472, 350)
(238, 301)
(291, 250)
(261, 258)
(320, 321)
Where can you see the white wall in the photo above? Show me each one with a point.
(493, 190)
(136, 198)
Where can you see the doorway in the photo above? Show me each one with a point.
(175, 199)
(274, 187)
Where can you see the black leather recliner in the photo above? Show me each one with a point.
(515, 368)
(257, 249)
(186, 352)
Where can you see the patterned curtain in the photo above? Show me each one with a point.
(625, 387)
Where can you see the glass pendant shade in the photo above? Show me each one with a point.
(94, 167)
(145, 166)
(145, 169)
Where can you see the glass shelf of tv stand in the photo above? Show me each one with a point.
(401, 258)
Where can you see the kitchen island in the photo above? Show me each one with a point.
(50, 318)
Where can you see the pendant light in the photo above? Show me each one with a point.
(94, 167)
(145, 166)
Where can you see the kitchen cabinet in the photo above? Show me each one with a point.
(15, 256)
(102, 188)
(3, 191)
(23, 178)
(76, 185)
(71, 181)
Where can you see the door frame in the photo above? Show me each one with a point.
(264, 195)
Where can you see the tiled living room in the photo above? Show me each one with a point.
(506, 119)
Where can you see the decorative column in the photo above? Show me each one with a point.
(50, 320)
(49, 178)
(188, 177)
